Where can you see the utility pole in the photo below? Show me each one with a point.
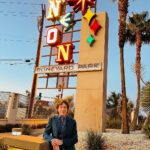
(37, 62)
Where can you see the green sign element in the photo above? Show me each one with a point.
(90, 40)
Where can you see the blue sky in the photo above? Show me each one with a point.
(18, 40)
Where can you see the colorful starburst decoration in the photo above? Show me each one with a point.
(81, 5)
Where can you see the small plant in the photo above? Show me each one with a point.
(3, 146)
(8, 127)
(39, 126)
(43, 125)
(17, 126)
(146, 130)
(94, 141)
(2, 128)
(26, 129)
(34, 126)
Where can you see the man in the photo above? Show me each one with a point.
(61, 130)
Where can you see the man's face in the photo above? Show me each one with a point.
(62, 110)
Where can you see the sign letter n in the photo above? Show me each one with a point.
(54, 11)
(64, 54)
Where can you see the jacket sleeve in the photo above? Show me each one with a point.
(67, 142)
(47, 135)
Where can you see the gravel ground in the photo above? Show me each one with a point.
(116, 141)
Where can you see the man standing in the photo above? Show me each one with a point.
(61, 130)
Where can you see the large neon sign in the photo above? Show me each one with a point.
(53, 38)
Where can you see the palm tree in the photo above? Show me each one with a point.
(138, 32)
(123, 10)
(145, 101)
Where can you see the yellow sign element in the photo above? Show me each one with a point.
(55, 9)
(89, 16)
(64, 54)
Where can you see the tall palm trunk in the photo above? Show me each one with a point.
(138, 76)
(123, 9)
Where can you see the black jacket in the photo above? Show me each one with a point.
(69, 133)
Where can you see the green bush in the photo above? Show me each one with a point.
(26, 129)
(8, 127)
(146, 130)
(43, 125)
(113, 123)
(17, 126)
(39, 126)
(94, 141)
(34, 126)
(2, 128)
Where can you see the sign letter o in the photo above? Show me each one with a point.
(53, 36)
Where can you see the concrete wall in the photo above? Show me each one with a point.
(91, 86)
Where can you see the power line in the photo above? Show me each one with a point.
(17, 40)
(25, 60)
(14, 64)
(17, 61)
(22, 14)
(19, 3)
(16, 15)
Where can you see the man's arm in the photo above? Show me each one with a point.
(74, 139)
(47, 135)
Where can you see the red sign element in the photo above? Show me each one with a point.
(64, 54)
(53, 36)
(95, 26)
(81, 5)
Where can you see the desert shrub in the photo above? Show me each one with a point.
(8, 127)
(43, 125)
(39, 126)
(26, 129)
(94, 141)
(2, 128)
(17, 125)
(34, 126)
(146, 130)
(113, 123)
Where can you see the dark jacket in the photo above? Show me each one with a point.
(69, 133)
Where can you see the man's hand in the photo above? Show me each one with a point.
(59, 142)
(56, 142)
